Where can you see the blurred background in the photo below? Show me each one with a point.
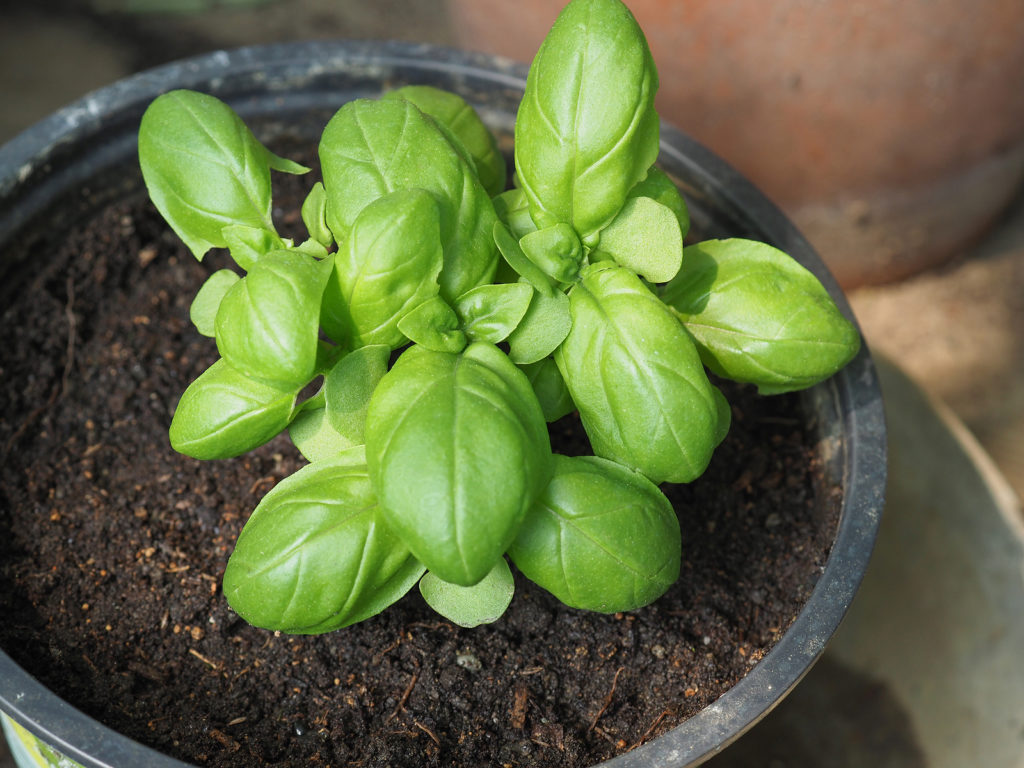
(891, 132)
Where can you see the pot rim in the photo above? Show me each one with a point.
(35, 166)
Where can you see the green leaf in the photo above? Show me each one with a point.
(636, 378)
(316, 554)
(225, 413)
(600, 538)
(372, 148)
(587, 131)
(491, 312)
(544, 326)
(458, 450)
(434, 325)
(513, 210)
(203, 312)
(311, 432)
(552, 394)
(645, 237)
(453, 111)
(249, 244)
(556, 250)
(348, 387)
(521, 265)
(314, 215)
(204, 169)
(482, 603)
(388, 265)
(268, 322)
(659, 187)
(759, 317)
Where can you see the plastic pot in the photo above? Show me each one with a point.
(292, 90)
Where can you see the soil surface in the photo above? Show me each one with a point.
(112, 548)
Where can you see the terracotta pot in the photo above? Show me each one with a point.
(891, 132)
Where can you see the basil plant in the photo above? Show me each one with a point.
(445, 318)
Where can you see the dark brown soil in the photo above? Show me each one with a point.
(112, 548)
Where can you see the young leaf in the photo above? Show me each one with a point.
(637, 378)
(513, 210)
(224, 413)
(314, 216)
(482, 603)
(601, 537)
(552, 394)
(435, 326)
(556, 250)
(658, 186)
(491, 312)
(387, 266)
(544, 326)
(587, 131)
(645, 237)
(268, 322)
(204, 169)
(348, 387)
(249, 244)
(371, 148)
(317, 440)
(316, 554)
(203, 312)
(760, 317)
(521, 265)
(453, 111)
(458, 449)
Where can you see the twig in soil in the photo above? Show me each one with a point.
(649, 731)
(259, 483)
(405, 697)
(58, 391)
(427, 731)
(198, 655)
(519, 707)
(225, 741)
(607, 700)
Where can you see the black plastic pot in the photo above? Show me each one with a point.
(291, 91)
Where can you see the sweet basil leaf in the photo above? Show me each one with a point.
(204, 169)
(348, 387)
(544, 326)
(203, 312)
(513, 210)
(314, 216)
(314, 436)
(248, 244)
(658, 186)
(268, 322)
(601, 537)
(458, 449)
(225, 413)
(491, 312)
(387, 266)
(552, 394)
(586, 130)
(434, 325)
(453, 111)
(316, 554)
(521, 265)
(371, 148)
(645, 237)
(556, 250)
(636, 378)
(482, 603)
(760, 317)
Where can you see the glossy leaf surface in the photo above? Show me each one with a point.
(586, 130)
(636, 378)
(760, 317)
(203, 311)
(601, 537)
(491, 312)
(458, 449)
(316, 555)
